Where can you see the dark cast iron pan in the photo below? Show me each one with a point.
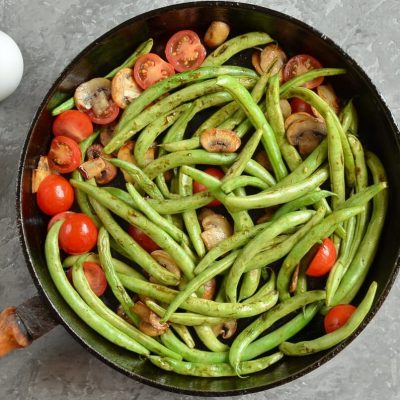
(25, 323)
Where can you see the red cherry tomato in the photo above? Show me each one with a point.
(300, 64)
(299, 105)
(95, 277)
(64, 155)
(78, 234)
(150, 69)
(107, 117)
(54, 195)
(198, 187)
(337, 316)
(323, 260)
(57, 217)
(73, 124)
(185, 51)
(142, 239)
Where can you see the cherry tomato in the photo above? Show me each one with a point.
(185, 51)
(64, 214)
(324, 259)
(300, 64)
(107, 117)
(78, 234)
(142, 239)
(64, 155)
(198, 187)
(337, 316)
(299, 105)
(95, 277)
(73, 124)
(54, 195)
(150, 69)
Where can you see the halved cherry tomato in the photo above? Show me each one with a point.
(78, 234)
(95, 277)
(299, 105)
(198, 187)
(64, 214)
(143, 240)
(185, 51)
(64, 155)
(300, 64)
(337, 316)
(74, 124)
(107, 117)
(55, 195)
(324, 259)
(150, 69)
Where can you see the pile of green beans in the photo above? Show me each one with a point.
(338, 191)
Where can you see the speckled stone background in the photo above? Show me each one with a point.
(50, 33)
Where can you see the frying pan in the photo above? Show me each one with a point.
(30, 320)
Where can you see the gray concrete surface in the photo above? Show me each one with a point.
(50, 33)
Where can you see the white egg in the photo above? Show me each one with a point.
(11, 65)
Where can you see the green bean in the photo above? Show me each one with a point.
(198, 281)
(208, 338)
(300, 80)
(275, 118)
(182, 259)
(185, 335)
(264, 290)
(257, 118)
(120, 267)
(139, 177)
(324, 109)
(359, 267)
(332, 339)
(180, 158)
(233, 46)
(134, 250)
(349, 118)
(324, 229)
(72, 298)
(172, 82)
(125, 131)
(242, 181)
(182, 145)
(274, 196)
(143, 48)
(284, 332)
(214, 370)
(256, 244)
(262, 323)
(194, 304)
(153, 130)
(257, 170)
(142, 205)
(250, 283)
(190, 217)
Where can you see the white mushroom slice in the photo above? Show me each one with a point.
(209, 289)
(106, 133)
(125, 153)
(327, 94)
(285, 108)
(216, 228)
(272, 55)
(255, 60)
(216, 140)
(42, 171)
(295, 131)
(205, 212)
(309, 141)
(92, 168)
(227, 329)
(124, 88)
(296, 117)
(216, 34)
(149, 321)
(166, 261)
(93, 95)
(97, 165)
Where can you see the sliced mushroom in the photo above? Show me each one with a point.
(92, 168)
(296, 117)
(216, 228)
(205, 212)
(141, 310)
(227, 329)
(216, 140)
(309, 141)
(285, 108)
(272, 56)
(262, 158)
(295, 133)
(93, 95)
(42, 171)
(125, 153)
(216, 34)
(149, 321)
(150, 330)
(209, 289)
(166, 261)
(120, 312)
(327, 94)
(96, 159)
(106, 133)
(124, 88)
(255, 60)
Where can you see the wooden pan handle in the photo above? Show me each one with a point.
(13, 334)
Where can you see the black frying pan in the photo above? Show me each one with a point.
(380, 134)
